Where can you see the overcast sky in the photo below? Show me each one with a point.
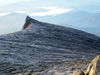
(47, 7)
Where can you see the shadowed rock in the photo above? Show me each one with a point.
(28, 22)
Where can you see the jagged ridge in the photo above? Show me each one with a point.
(28, 22)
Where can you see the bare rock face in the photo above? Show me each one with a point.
(94, 67)
(28, 23)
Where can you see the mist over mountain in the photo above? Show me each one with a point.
(11, 23)
(79, 20)
(41, 45)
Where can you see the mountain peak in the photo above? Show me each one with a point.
(28, 18)
(28, 22)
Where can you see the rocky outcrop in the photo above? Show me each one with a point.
(28, 22)
(93, 68)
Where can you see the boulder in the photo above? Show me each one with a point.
(94, 67)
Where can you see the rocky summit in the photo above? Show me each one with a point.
(40, 46)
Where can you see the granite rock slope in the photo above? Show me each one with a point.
(42, 44)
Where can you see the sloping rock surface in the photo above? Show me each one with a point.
(41, 44)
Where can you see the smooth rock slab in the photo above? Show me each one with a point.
(58, 73)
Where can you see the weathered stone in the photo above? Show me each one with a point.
(58, 73)
(79, 72)
(27, 23)
(87, 71)
(94, 67)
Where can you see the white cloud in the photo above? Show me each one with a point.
(3, 14)
(22, 12)
(51, 11)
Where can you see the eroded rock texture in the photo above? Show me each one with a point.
(41, 45)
